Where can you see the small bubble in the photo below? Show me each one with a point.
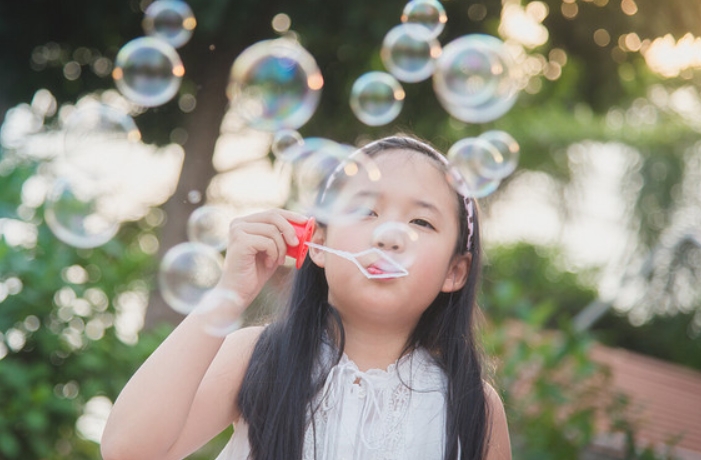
(169, 20)
(148, 71)
(186, 273)
(376, 98)
(409, 52)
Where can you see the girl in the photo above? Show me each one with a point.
(355, 368)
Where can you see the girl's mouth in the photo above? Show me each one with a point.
(375, 270)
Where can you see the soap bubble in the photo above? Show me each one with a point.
(507, 160)
(95, 129)
(398, 240)
(76, 214)
(275, 84)
(409, 53)
(169, 20)
(221, 312)
(312, 162)
(428, 13)
(186, 273)
(209, 225)
(476, 79)
(148, 71)
(284, 139)
(468, 158)
(376, 98)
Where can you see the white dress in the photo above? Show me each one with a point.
(393, 414)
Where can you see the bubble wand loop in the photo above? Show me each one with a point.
(353, 257)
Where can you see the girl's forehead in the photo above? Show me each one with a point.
(406, 169)
(401, 163)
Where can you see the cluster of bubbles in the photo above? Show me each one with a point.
(275, 85)
(79, 206)
(475, 78)
(479, 164)
(148, 70)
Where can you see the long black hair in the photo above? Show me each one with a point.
(284, 373)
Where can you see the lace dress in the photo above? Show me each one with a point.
(393, 414)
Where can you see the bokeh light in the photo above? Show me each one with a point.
(148, 71)
(92, 131)
(275, 84)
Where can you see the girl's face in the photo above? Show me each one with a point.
(412, 191)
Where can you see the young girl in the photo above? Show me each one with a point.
(356, 367)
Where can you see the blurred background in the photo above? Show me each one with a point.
(591, 288)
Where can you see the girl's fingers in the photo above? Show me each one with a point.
(281, 220)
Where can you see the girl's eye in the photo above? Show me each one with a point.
(423, 223)
(363, 212)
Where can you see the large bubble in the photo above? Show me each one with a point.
(148, 71)
(312, 162)
(398, 240)
(275, 84)
(376, 98)
(409, 52)
(320, 169)
(468, 158)
(77, 214)
(508, 150)
(93, 131)
(429, 14)
(476, 79)
(169, 20)
(186, 273)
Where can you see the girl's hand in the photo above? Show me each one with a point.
(257, 246)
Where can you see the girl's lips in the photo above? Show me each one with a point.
(375, 270)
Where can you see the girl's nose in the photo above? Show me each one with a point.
(392, 237)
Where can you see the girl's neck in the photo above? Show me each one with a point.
(374, 348)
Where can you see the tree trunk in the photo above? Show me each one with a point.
(203, 128)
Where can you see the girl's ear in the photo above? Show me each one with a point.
(457, 274)
(317, 255)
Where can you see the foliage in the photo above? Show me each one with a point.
(555, 395)
(61, 322)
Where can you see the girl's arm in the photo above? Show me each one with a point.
(185, 392)
(499, 447)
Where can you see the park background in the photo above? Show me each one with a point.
(595, 239)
